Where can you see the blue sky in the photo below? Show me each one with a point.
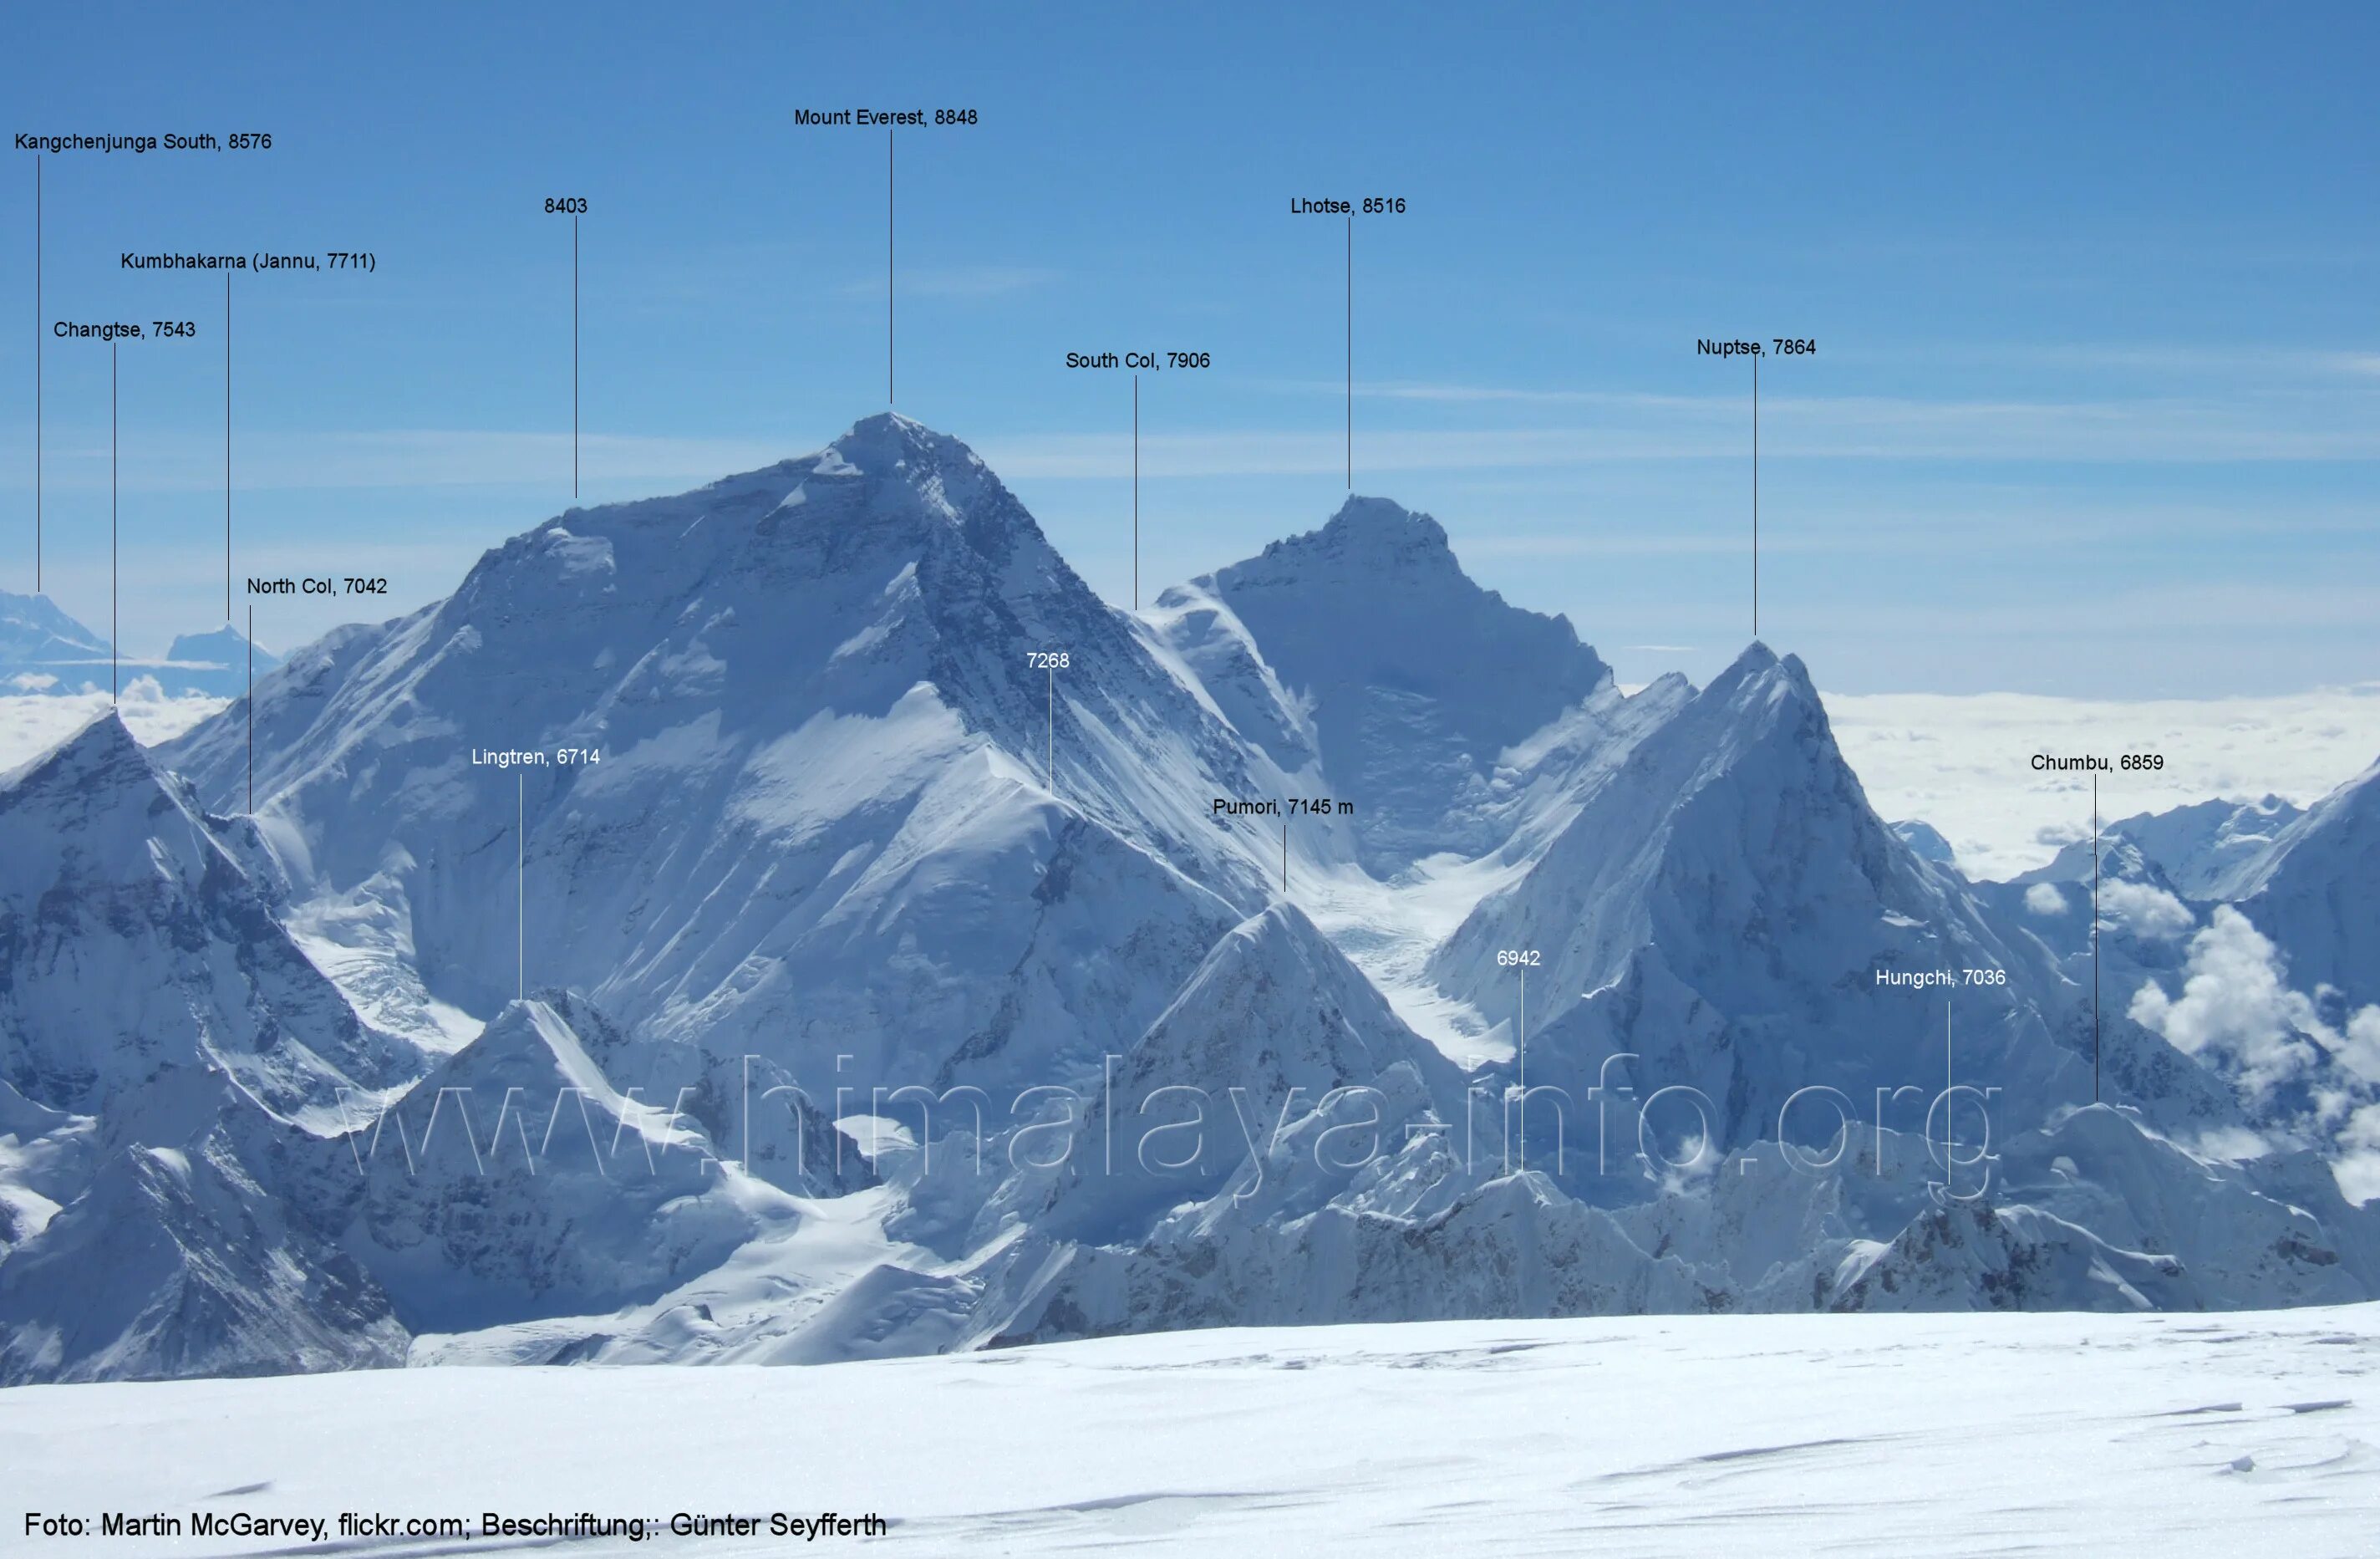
(2096, 408)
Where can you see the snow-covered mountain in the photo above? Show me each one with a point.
(2206, 850)
(42, 648)
(823, 820)
(1362, 654)
(2315, 890)
(165, 1046)
(1727, 914)
(516, 1179)
(217, 663)
(1926, 843)
(144, 968)
(796, 919)
(43, 651)
(182, 1260)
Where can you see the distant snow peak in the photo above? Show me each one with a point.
(33, 628)
(43, 651)
(225, 645)
(217, 663)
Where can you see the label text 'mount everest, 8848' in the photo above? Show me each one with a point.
(873, 118)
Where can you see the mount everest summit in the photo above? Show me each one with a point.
(797, 919)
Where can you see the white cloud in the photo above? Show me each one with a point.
(2141, 909)
(2235, 1005)
(2357, 1169)
(1956, 760)
(2043, 898)
(2228, 1144)
(33, 723)
(2361, 1051)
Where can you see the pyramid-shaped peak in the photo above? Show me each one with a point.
(1275, 998)
(103, 754)
(1368, 538)
(889, 467)
(35, 625)
(1278, 927)
(529, 1023)
(1781, 676)
(1383, 521)
(105, 737)
(223, 646)
(528, 1044)
(889, 443)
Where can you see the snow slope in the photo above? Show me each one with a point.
(2316, 891)
(144, 967)
(1963, 1434)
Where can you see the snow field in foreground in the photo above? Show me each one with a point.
(2251, 1432)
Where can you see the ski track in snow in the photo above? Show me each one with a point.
(1967, 1434)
